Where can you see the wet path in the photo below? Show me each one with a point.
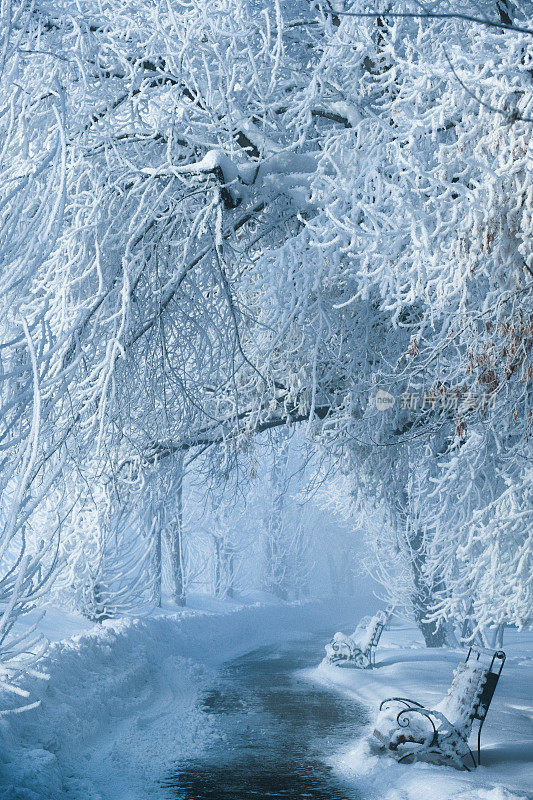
(275, 730)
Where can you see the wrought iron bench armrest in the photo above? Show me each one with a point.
(405, 700)
(437, 736)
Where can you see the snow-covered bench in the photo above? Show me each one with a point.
(409, 731)
(360, 647)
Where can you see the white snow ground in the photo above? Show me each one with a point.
(405, 668)
(120, 707)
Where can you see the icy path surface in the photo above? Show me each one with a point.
(274, 731)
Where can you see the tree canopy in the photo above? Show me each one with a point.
(221, 217)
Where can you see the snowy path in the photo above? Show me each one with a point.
(123, 705)
(275, 730)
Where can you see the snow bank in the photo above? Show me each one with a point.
(405, 668)
(121, 705)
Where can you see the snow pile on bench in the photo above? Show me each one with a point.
(358, 646)
(461, 701)
(404, 726)
(367, 638)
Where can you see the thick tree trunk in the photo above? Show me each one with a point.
(468, 628)
(434, 636)
(425, 589)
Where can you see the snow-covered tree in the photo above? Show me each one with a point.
(222, 217)
(27, 560)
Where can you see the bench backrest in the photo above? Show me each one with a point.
(472, 689)
(374, 629)
(491, 681)
(376, 633)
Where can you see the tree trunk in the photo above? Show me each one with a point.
(175, 543)
(224, 576)
(275, 554)
(497, 640)
(434, 636)
(218, 567)
(230, 569)
(176, 563)
(333, 575)
(425, 591)
(157, 562)
(467, 627)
